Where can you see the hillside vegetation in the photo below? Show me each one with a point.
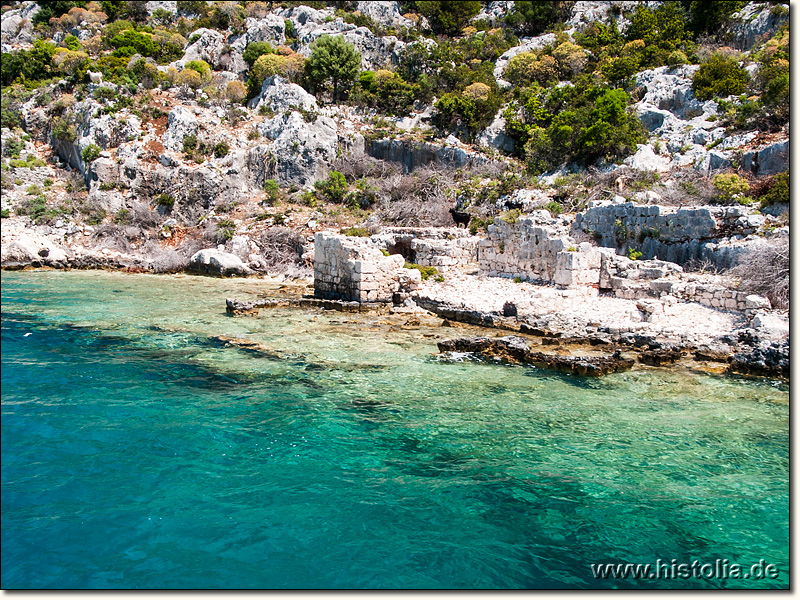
(191, 123)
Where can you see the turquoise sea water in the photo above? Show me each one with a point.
(140, 452)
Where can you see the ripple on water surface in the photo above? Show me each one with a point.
(141, 451)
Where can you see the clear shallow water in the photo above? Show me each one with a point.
(138, 452)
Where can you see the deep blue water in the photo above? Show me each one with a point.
(140, 452)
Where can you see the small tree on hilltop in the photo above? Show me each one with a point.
(333, 59)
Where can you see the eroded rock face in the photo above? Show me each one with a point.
(216, 262)
(385, 13)
(757, 22)
(270, 28)
(301, 152)
(180, 124)
(16, 26)
(280, 95)
(768, 160)
(208, 47)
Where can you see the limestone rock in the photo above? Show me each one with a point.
(301, 152)
(215, 262)
(494, 135)
(768, 160)
(181, 122)
(16, 26)
(270, 28)
(33, 249)
(208, 47)
(756, 22)
(280, 95)
(168, 5)
(385, 13)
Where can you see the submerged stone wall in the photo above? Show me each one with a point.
(354, 269)
(667, 233)
(538, 248)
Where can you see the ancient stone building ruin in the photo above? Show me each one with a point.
(350, 268)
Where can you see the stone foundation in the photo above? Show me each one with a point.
(656, 279)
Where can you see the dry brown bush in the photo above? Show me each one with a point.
(764, 270)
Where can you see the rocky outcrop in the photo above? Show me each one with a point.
(300, 153)
(181, 123)
(33, 250)
(757, 22)
(766, 358)
(768, 160)
(216, 262)
(384, 13)
(514, 349)
(413, 154)
(494, 136)
(209, 46)
(16, 26)
(667, 233)
(270, 28)
(280, 95)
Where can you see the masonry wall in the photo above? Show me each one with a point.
(538, 248)
(354, 269)
(667, 233)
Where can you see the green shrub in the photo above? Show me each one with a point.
(473, 111)
(581, 123)
(64, 130)
(227, 228)
(387, 92)
(189, 143)
(4, 214)
(554, 207)
(221, 149)
(535, 17)
(201, 67)
(273, 191)
(449, 17)
(35, 64)
(13, 147)
(165, 200)
(511, 216)
(634, 254)
(720, 76)
(709, 17)
(355, 232)
(425, 272)
(730, 188)
(123, 216)
(90, 153)
(142, 43)
(254, 50)
(677, 58)
(334, 187)
(777, 191)
(49, 10)
(332, 60)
